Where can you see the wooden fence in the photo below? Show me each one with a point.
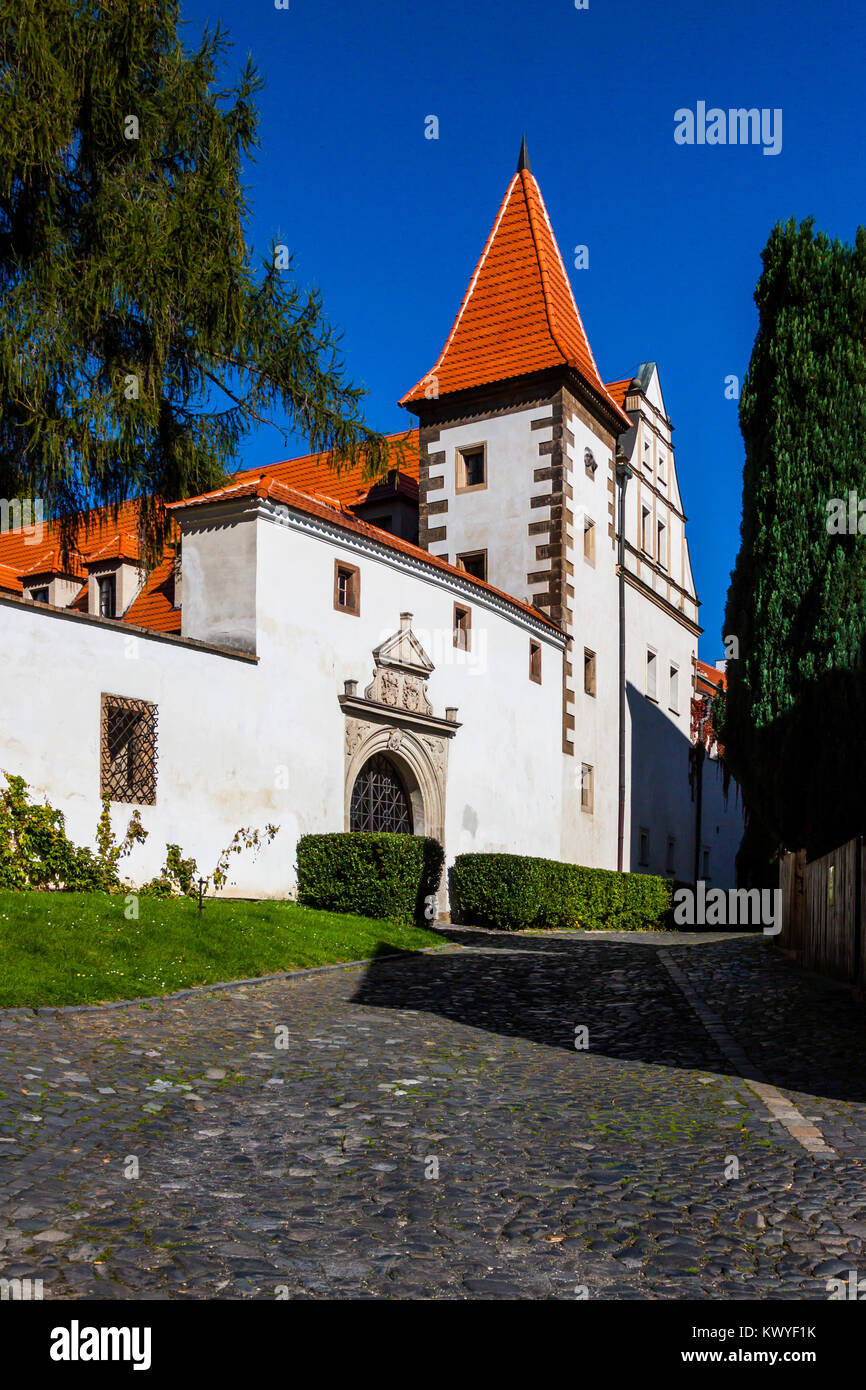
(824, 911)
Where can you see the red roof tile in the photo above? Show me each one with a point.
(518, 314)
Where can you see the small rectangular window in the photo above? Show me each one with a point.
(589, 540)
(661, 545)
(651, 677)
(535, 662)
(347, 588)
(586, 788)
(671, 857)
(107, 587)
(474, 562)
(644, 846)
(661, 468)
(128, 750)
(462, 627)
(645, 529)
(471, 468)
(675, 688)
(588, 671)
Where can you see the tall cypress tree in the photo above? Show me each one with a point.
(138, 342)
(793, 721)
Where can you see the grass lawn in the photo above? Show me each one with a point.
(79, 948)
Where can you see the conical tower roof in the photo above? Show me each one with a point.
(518, 315)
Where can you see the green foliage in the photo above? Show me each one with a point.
(377, 875)
(513, 891)
(138, 342)
(177, 878)
(35, 851)
(794, 714)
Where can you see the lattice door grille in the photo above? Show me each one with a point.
(379, 800)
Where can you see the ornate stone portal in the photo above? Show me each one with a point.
(396, 718)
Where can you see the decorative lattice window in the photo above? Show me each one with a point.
(379, 799)
(128, 750)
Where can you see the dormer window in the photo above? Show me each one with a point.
(38, 595)
(107, 588)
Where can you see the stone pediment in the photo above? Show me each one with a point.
(403, 651)
(402, 668)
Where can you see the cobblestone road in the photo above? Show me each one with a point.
(308, 1170)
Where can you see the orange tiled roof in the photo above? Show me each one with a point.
(49, 562)
(267, 488)
(105, 536)
(518, 314)
(123, 545)
(618, 390)
(9, 581)
(154, 605)
(705, 672)
(312, 474)
(26, 555)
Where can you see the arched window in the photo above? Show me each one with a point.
(379, 798)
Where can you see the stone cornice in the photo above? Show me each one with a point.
(380, 713)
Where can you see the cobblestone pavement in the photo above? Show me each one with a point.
(309, 1170)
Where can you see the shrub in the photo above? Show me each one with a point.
(35, 851)
(374, 875)
(512, 891)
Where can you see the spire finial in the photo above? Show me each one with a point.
(523, 161)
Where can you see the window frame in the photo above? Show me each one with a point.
(353, 573)
(673, 687)
(462, 611)
(651, 656)
(587, 788)
(460, 470)
(646, 529)
(535, 661)
(473, 555)
(589, 666)
(147, 712)
(588, 540)
(106, 579)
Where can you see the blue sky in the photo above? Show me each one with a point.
(390, 224)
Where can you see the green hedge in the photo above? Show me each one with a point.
(374, 875)
(512, 891)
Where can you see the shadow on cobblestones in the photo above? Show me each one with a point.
(796, 1027)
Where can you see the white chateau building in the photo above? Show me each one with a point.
(439, 653)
